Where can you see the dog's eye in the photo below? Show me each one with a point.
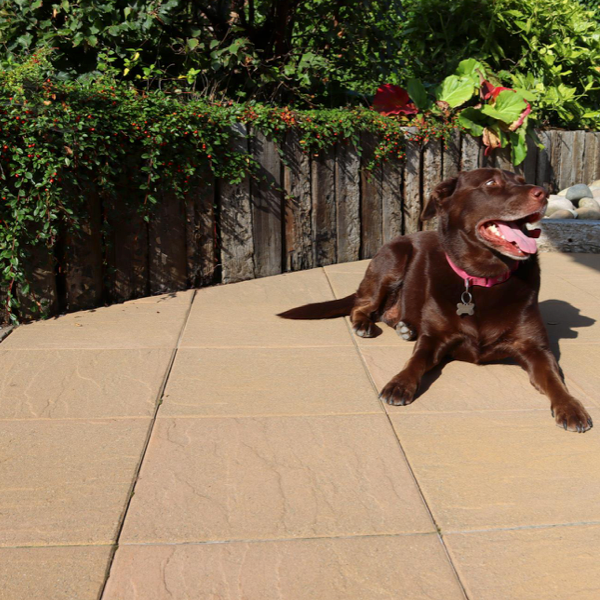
(491, 182)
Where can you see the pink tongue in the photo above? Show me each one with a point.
(513, 234)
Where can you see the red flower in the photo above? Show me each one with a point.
(488, 91)
(393, 100)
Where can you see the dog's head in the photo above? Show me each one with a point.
(483, 219)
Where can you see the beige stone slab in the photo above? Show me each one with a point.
(371, 568)
(502, 469)
(570, 263)
(66, 482)
(359, 267)
(344, 283)
(58, 384)
(457, 386)
(590, 284)
(128, 325)
(581, 366)
(273, 478)
(559, 563)
(268, 381)
(163, 299)
(244, 314)
(63, 573)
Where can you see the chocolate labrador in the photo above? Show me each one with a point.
(467, 291)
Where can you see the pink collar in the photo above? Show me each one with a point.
(481, 281)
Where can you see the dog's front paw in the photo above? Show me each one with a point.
(572, 417)
(400, 391)
(405, 331)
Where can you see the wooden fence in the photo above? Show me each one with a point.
(301, 212)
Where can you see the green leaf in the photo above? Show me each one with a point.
(456, 90)
(518, 146)
(470, 68)
(473, 120)
(418, 94)
(192, 43)
(508, 107)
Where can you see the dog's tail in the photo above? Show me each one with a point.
(322, 310)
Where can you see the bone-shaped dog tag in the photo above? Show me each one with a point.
(465, 306)
(465, 309)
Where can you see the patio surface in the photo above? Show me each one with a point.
(194, 446)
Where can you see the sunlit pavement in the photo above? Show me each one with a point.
(195, 446)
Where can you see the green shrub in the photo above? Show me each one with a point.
(548, 46)
(62, 141)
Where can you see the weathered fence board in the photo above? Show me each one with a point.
(529, 165)
(567, 139)
(412, 184)
(298, 206)
(556, 146)
(235, 220)
(267, 207)
(201, 240)
(347, 196)
(391, 182)
(578, 157)
(83, 258)
(432, 175)
(40, 274)
(591, 160)
(324, 210)
(451, 156)
(371, 200)
(167, 253)
(298, 213)
(544, 169)
(126, 251)
(470, 151)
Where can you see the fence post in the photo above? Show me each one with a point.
(347, 196)
(237, 248)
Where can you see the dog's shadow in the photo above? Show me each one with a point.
(561, 319)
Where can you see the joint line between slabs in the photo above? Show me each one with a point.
(414, 477)
(159, 397)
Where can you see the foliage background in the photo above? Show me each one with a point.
(316, 52)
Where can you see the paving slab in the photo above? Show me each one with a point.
(581, 365)
(458, 386)
(268, 381)
(66, 482)
(56, 384)
(559, 563)
(411, 567)
(570, 263)
(132, 324)
(485, 470)
(244, 314)
(273, 478)
(56, 573)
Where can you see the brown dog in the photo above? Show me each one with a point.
(468, 291)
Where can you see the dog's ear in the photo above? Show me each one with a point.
(440, 192)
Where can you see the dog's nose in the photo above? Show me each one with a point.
(537, 192)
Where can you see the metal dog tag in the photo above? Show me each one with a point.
(465, 306)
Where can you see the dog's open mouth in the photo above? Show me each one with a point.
(513, 238)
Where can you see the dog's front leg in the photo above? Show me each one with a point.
(401, 390)
(544, 374)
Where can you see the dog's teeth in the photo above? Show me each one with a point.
(532, 226)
